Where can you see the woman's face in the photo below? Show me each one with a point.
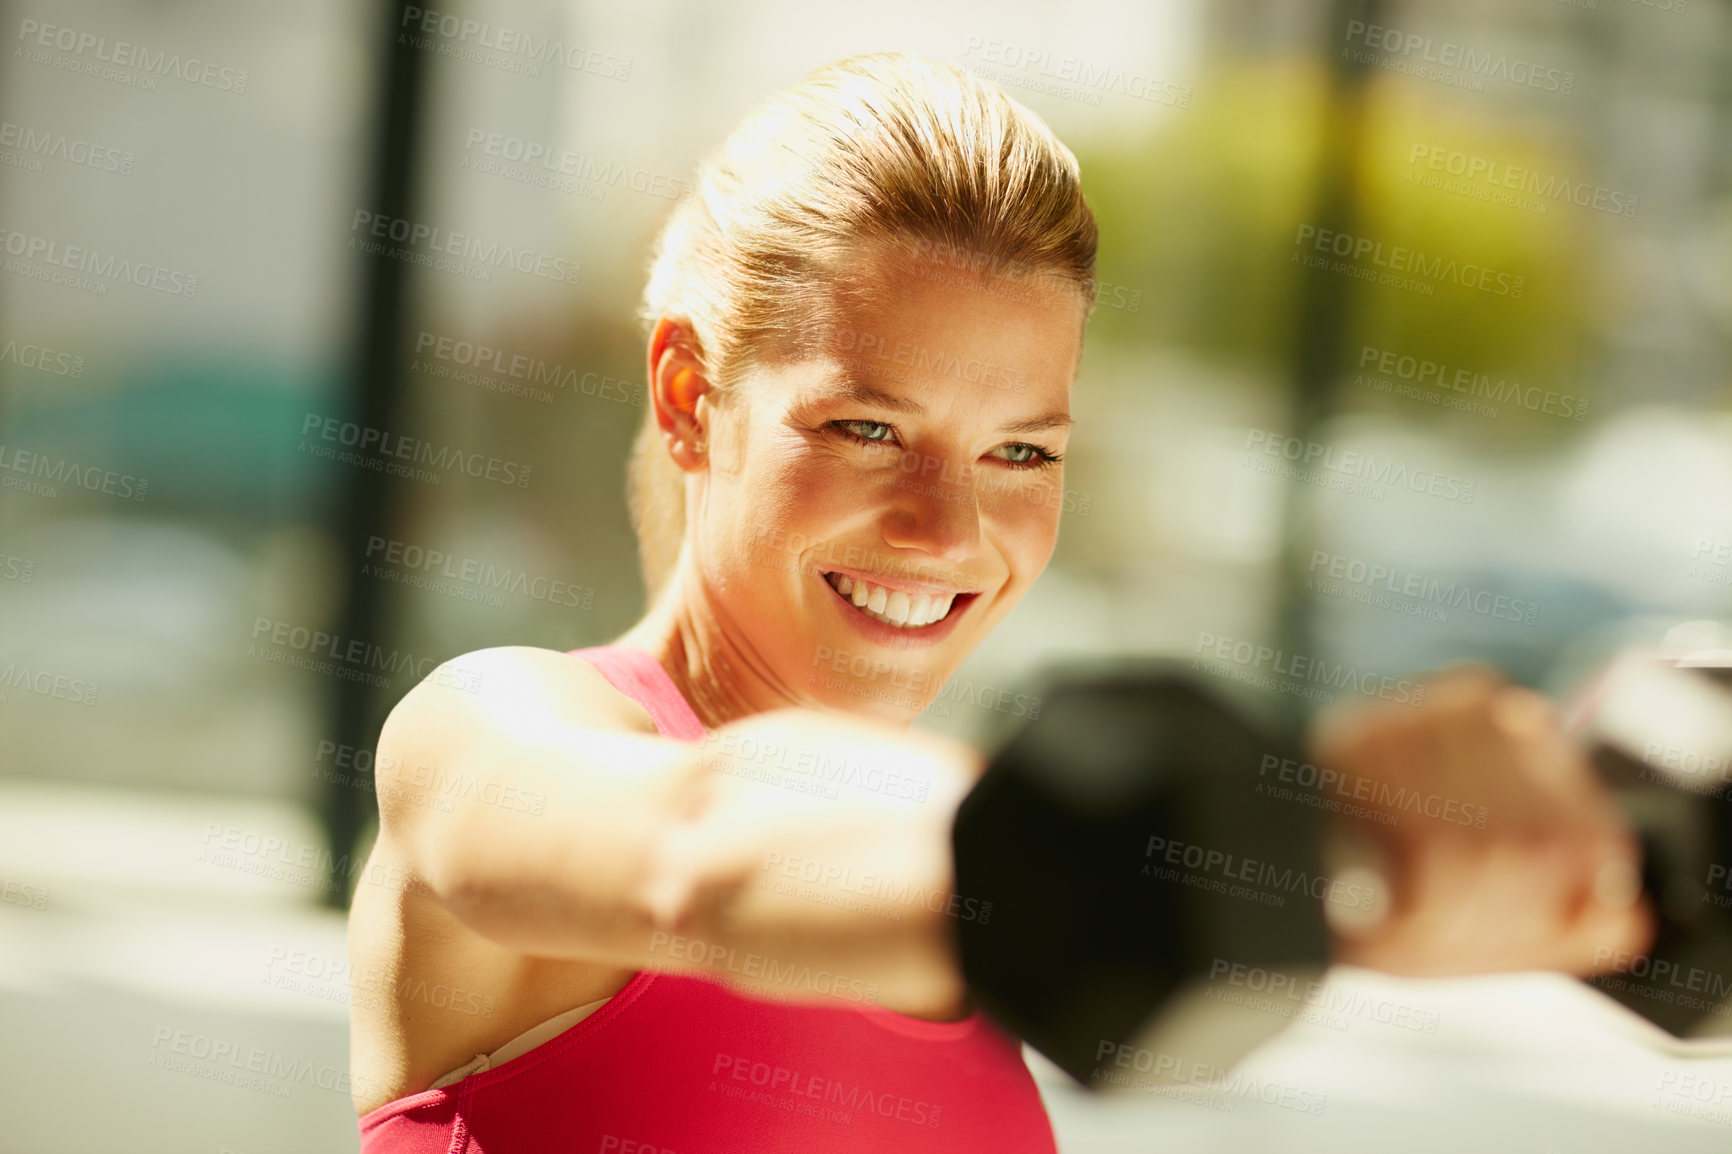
(868, 514)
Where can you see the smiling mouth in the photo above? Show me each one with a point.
(893, 606)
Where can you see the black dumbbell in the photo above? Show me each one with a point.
(1126, 846)
(1136, 846)
(1660, 733)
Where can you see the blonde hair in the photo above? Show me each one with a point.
(887, 148)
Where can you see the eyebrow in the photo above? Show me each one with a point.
(868, 395)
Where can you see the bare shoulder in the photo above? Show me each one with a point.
(505, 688)
(519, 683)
(487, 697)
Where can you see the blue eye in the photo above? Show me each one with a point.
(844, 427)
(1035, 458)
(1025, 456)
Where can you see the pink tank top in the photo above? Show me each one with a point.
(679, 1065)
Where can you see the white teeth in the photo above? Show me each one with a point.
(893, 606)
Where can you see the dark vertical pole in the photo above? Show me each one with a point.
(377, 392)
(1324, 299)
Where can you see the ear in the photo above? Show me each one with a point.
(677, 382)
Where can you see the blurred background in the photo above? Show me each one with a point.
(1412, 346)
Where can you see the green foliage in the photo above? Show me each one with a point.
(1202, 213)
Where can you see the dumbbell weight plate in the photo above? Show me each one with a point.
(1136, 849)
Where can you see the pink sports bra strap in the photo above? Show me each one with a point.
(640, 676)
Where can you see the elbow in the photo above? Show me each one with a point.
(681, 889)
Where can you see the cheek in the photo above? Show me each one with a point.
(781, 501)
(1033, 540)
(1025, 522)
(819, 484)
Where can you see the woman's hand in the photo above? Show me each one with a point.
(1542, 873)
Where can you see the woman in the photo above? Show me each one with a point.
(655, 895)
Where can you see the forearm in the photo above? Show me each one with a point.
(772, 884)
(560, 841)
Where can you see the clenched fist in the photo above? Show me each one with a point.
(1545, 877)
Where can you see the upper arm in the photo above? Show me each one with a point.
(507, 755)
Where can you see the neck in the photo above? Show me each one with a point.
(712, 662)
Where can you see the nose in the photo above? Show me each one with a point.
(937, 514)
